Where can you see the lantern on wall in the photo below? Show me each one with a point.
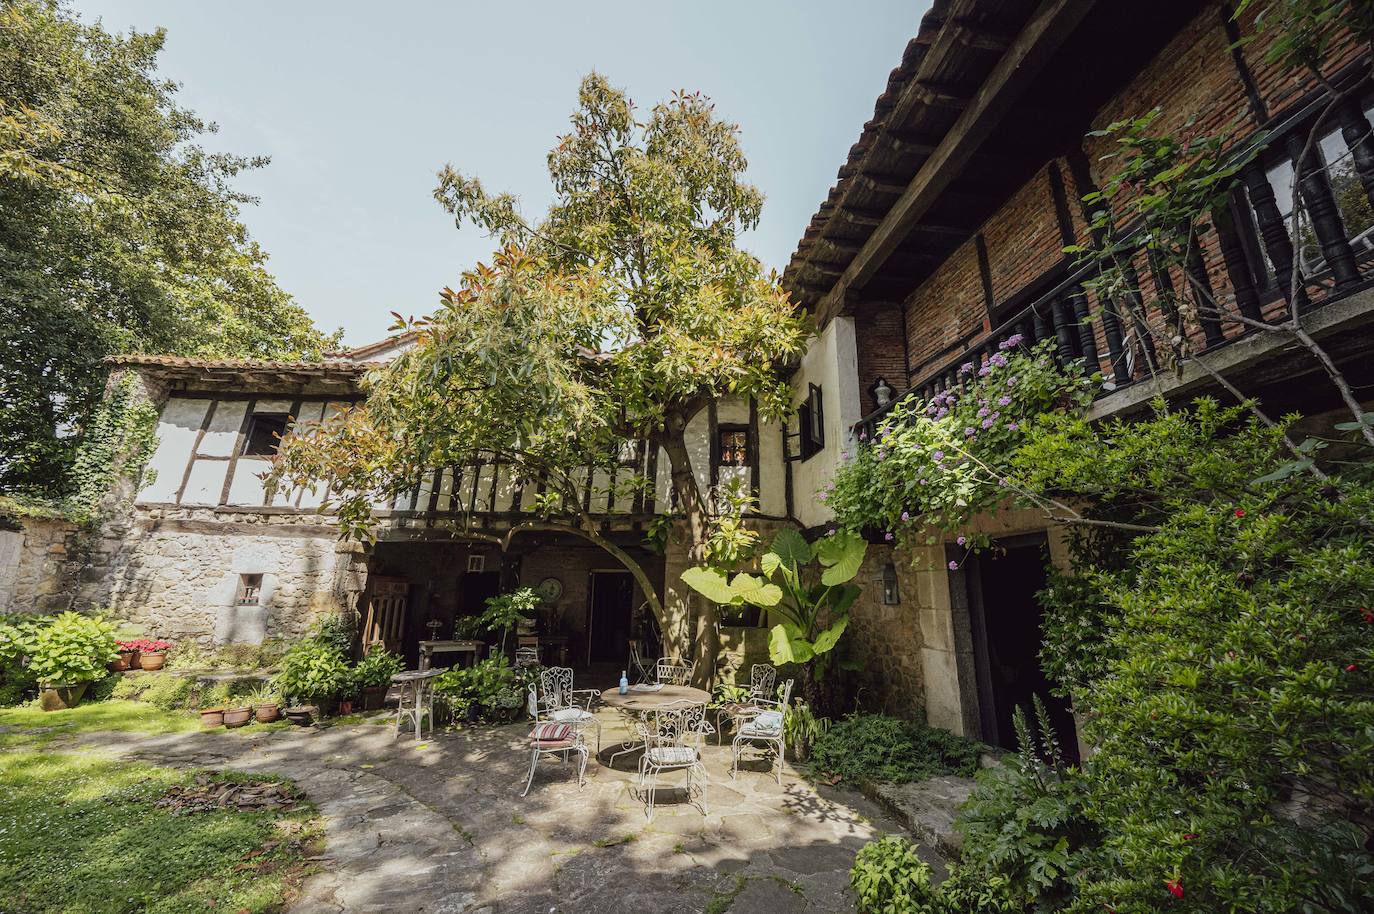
(891, 593)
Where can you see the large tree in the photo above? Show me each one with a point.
(117, 234)
(614, 318)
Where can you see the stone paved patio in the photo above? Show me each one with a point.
(439, 825)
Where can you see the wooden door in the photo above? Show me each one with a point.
(385, 620)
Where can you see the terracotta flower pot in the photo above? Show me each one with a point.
(211, 717)
(60, 697)
(302, 716)
(238, 717)
(152, 661)
(266, 713)
(345, 707)
(126, 660)
(374, 697)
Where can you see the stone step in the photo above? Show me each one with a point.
(927, 809)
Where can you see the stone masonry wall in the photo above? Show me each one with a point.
(886, 638)
(33, 566)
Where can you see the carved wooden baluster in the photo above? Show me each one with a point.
(1063, 329)
(1203, 295)
(1043, 326)
(1273, 231)
(1164, 293)
(1320, 201)
(1087, 340)
(1111, 331)
(1355, 129)
(1135, 307)
(1237, 266)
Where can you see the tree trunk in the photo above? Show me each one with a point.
(707, 634)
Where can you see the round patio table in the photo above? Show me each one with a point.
(634, 703)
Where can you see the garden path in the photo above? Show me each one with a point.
(438, 826)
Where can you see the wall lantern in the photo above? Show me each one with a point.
(882, 392)
(891, 594)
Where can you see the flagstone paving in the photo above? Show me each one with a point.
(438, 826)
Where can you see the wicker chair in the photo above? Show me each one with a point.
(553, 738)
(674, 736)
(568, 705)
(765, 730)
(762, 695)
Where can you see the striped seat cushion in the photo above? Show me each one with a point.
(672, 755)
(552, 736)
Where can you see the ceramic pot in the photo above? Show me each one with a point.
(266, 713)
(57, 697)
(302, 716)
(345, 707)
(153, 661)
(238, 717)
(126, 660)
(373, 698)
(211, 717)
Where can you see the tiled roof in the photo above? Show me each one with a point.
(178, 361)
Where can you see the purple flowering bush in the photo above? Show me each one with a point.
(941, 460)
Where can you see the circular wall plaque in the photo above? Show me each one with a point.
(550, 589)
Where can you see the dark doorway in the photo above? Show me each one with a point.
(475, 588)
(1006, 621)
(609, 606)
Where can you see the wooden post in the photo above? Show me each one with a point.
(1355, 129)
(1237, 266)
(1272, 230)
(1320, 201)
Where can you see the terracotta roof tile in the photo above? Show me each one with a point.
(178, 361)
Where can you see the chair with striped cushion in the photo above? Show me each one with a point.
(764, 731)
(564, 704)
(673, 738)
(554, 738)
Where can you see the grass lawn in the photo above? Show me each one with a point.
(29, 726)
(79, 834)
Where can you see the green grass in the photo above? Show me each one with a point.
(80, 835)
(28, 726)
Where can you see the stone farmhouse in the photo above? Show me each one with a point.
(942, 237)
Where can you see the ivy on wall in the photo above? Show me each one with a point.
(118, 442)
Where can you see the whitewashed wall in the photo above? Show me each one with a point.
(832, 363)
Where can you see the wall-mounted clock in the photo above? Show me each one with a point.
(550, 589)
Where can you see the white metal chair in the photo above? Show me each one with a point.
(553, 738)
(674, 736)
(567, 705)
(670, 671)
(762, 694)
(416, 700)
(526, 656)
(765, 730)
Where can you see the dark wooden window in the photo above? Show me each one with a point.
(733, 442)
(250, 590)
(265, 432)
(811, 419)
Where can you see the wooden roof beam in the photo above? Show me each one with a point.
(979, 37)
(1034, 47)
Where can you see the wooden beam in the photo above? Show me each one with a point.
(845, 249)
(942, 96)
(979, 37)
(880, 184)
(1035, 47)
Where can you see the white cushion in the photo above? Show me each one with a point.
(769, 723)
(672, 755)
(571, 714)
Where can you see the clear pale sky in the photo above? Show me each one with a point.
(358, 104)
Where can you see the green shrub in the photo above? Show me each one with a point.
(16, 633)
(376, 669)
(889, 877)
(864, 748)
(71, 648)
(492, 687)
(164, 690)
(313, 671)
(102, 689)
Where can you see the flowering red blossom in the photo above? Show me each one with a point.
(1368, 616)
(1240, 512)
(1190, 836)
(144, 645)
(1352, 668)
(1175, 887)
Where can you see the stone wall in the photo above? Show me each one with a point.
(178, 576)
(34, 568)
(887, 638)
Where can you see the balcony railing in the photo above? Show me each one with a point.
(1242, 266)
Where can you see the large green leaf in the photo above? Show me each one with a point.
(756, 590)
(785, 645)
(770, 562)
(791, 548)
(842, 552)
(710, 584)
(828, 638)
(841, 598)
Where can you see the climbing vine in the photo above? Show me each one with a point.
(117, 441)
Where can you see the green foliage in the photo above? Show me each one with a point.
(801, 728)
(187, 655)
(940, 462)
(336, 631)
(119, 438)
(376, 669)
(505, 611)
(813, 616)
(71, 648)
(865, 748)
(313, 671)
(120, 234)
(492, 688)
(80, 834)
(889, 877)
(164, 691)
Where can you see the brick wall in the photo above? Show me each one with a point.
(881, 351)
(946, 307)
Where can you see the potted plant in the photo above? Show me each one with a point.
(312, 673)
(152, 653)
(238, 715)
(372, 677)
(265, 702)
(126, 656)
(68, 654)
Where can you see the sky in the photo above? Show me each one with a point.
(359, 104)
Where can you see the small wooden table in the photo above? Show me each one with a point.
(634, 703)
(429, 648)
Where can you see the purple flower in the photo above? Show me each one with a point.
(822, 496)
(1004, 401)
(938, 456)
(888, 537)
(863, 436)
(953, 566)
(988, 422)
(970, 431)
(931, 410)
(906, 516)
(965, 368)
(961, 541)
(983, 412)
(941, 413)
(998, 359)
(985, 371)
(1013, 426)
(1011, 381)
(1003, 482)
(1014, 340)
